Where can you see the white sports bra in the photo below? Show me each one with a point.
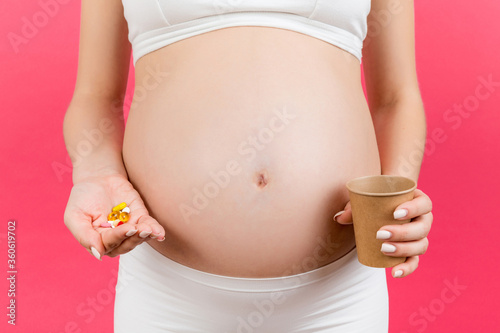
(154, 24)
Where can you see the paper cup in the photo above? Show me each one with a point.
(373, 201)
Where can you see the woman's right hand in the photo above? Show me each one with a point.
(86, 216)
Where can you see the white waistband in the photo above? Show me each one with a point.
(165, 266)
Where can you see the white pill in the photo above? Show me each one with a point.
(126, 210)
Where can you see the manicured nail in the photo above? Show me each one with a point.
(398, 273)
(337, 215)
(145, 234)
(383, 234)
(161, 240)
(131, 232)
(96, 253)
(389, 248)
(400, 213)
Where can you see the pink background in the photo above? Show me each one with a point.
(457, 43)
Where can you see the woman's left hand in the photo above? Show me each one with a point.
(405, 240)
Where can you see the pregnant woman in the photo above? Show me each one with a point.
(248, 118)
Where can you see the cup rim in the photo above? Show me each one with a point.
(374, 194)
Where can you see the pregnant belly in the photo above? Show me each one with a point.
(240, 142)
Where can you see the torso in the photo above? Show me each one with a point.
(242, 145)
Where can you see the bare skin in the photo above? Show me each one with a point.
(278, 117)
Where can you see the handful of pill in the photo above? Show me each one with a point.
(119, 214)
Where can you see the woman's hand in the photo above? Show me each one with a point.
(405, 240)
(86, 216)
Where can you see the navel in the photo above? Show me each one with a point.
(261, 178)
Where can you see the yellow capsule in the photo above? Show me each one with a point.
(113, 216)
(124, 216)
(119, 207)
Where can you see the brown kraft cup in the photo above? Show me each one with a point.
(373, 201)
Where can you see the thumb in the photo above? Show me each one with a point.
(344, 216)
(80, 225)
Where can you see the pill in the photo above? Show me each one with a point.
(113, 216)
(115, 223)
(126, 210)
(119, 223)
(119, 207)
(124, 216)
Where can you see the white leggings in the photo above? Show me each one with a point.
(156, 294)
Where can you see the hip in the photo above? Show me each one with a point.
(156, 294)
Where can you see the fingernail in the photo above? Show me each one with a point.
(337, 215)
(398, 273)
(145, 234)
(400, 213)
(389, 248)
(95, 253)
(161, 240)
(131, 232)
(383, 234)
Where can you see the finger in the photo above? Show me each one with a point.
(406, 268)
(405, 249)
(80, 225)
(419, 205)
(417, 229)
(149, 227)
(114, 237)
(344, 216)
(146, 229)
(127, 245)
